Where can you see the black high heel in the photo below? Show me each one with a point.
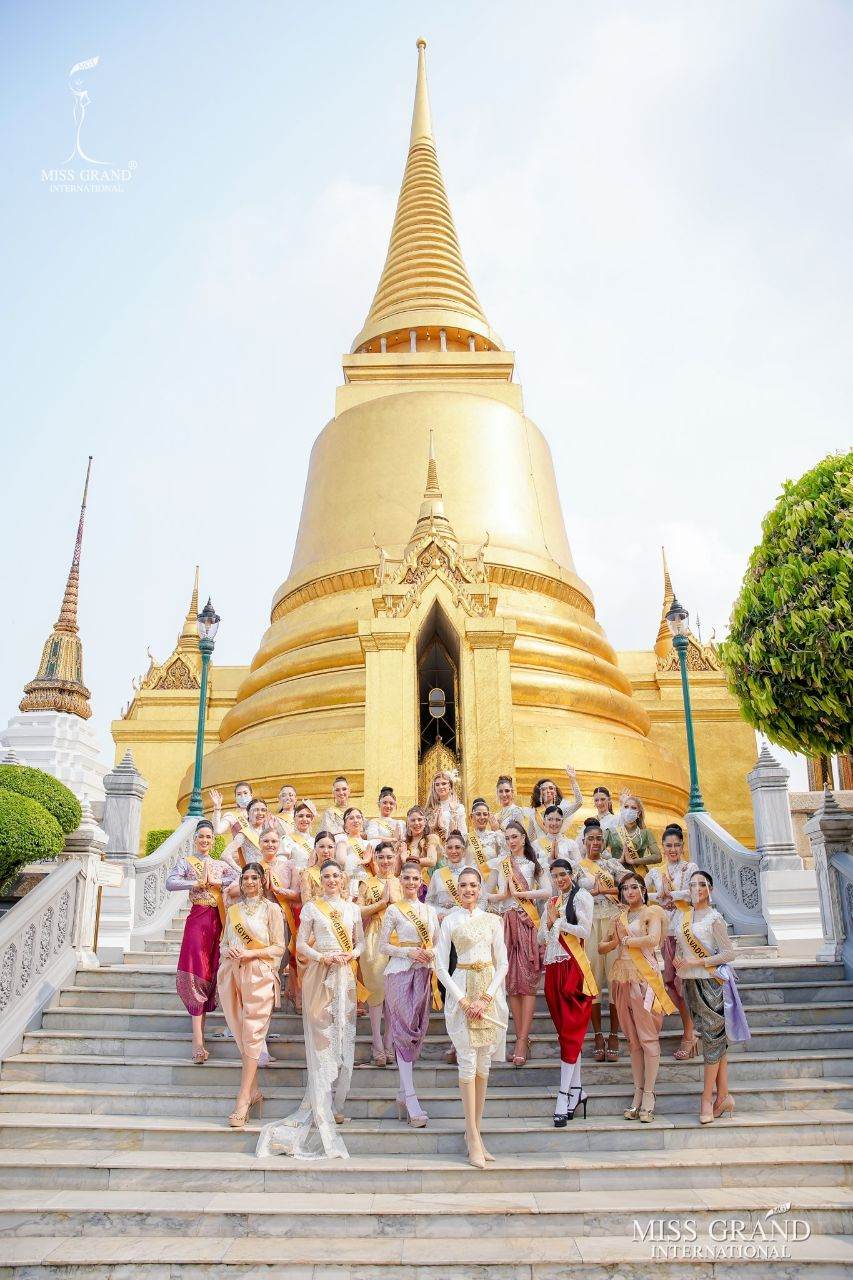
(581, 1102)
(561, 1118)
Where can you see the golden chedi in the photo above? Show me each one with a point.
(432, 608)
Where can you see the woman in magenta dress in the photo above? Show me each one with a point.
(204, 878)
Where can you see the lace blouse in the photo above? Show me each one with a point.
(182, 877)
(550, 938)
(395, 921)
(710, 929)
(313, 923)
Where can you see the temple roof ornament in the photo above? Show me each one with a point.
(433, 551)
(181, 670)
(58, 684)
(700, 657)
(424, 283)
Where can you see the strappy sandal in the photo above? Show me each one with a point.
(687, 1049)
(200, 1056)
(561, 1118)
(611, 1053)
(599, 1049)
(519, 1059)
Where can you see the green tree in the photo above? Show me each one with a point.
(47, 790)
(28, 833)
(789, 654)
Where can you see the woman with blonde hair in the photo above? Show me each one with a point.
(630, 840)
(248, 981)
(420, 845)
(444, 810)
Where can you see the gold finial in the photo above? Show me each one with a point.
(421, 43)
(188, 639)
(58, 683)
(431, 516)
(663, 643)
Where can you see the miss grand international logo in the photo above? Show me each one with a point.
(751, 1238)
(81, 171)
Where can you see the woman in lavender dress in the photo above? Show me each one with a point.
(204, 878)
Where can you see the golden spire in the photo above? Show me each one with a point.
(663, 643)
(424, 286)
(432, 519)
(58, 684)
(188, 639)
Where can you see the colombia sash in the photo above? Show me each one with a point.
(450, 885)
(286, 907)
(698, 948)
(511, 877)
(425, 940)
(344, 938)
(197, 866)
(577, 951)
(242, 929)
(650, 974)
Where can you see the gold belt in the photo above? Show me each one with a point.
(477, 965)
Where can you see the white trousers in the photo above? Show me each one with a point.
(474, 1062)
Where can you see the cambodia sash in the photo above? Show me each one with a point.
(243, 929)
(425, 941)
(575, 948)
(197, 866)
(698, 948)
(520, 885)
(344, 939)
(650, 974)
(450, 885)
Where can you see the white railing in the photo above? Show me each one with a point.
(736, 872)
(37, 950)
(153, 905)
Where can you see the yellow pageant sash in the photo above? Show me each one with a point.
(342, 934)
(450, 885)
(698, 948)
(526, 905)
(576, 950)
(598, 872)
(407, 910)
(373, 891)
(479, 852)
(197, 866)
(628, 846)
(650, 975)
(313, 874)
(684, 907)
(286, 907)
(242, 930)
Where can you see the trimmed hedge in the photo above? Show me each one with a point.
(159, 835)
(28, 833)
(48, 791)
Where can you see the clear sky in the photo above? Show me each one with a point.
(654, 203)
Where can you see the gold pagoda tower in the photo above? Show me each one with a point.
(432, 604)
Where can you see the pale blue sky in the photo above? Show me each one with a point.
(653, 201)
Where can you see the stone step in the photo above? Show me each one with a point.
(788, 1129)
(95, 1168)
(167, 1257)
(540, 1073)
(130, 1044)
(164, 998)
(209, 1101)
(377, 1215)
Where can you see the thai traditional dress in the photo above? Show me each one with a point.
(372, 961)
(333, 821)
(605, 909)
(329, 997)
(672, 879)
(535, 818)
(199, 956)
(521, 924)
(636, 849)
(250, 989)
(409, 987)
(708, 991)
(549, 847)
(569, 981)
(481, 968)
(447, 816)
(299, 846)
(637, 989)
(392, 829)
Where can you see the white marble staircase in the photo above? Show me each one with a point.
(116, 1162)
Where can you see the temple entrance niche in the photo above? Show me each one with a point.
(439, 718)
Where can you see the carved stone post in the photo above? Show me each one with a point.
(86, 845)
(830, 832)
(774, 834)
(125, 787)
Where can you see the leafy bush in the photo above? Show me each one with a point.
(159, 835)
(28, 833)
(47, 790)
(789, 655)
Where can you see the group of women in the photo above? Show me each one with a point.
(464, 912)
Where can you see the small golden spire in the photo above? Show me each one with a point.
(58, 683)
(663, 643)
(188, 639)
(432, 518)
(421, 115)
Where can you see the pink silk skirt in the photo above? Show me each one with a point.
(408, 999)
(198, 961)
(523, 954)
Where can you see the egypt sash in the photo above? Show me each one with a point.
(698, 948)
(342, 934)
(684, 907)
(520, 886)
(197, 867)
(575, 948)
(286, 907)
(598, 872)
(479, 852)
(238, 923)
(406, 909)
(651, 975)
(450, 885)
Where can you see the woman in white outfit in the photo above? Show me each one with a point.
(669, 887)
(328, 944)
(475, 1006)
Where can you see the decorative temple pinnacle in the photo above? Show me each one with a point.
(424, 291)
(188, 639)
(58, 684)
(432, 518)
(663, 643)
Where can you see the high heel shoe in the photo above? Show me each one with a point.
(418, 1121)
(599, 1047)
(611, 1053)
(647, 1114)
(687, 1049)
(238, 1117)
(581, 1102)
(561, 1118)
(706, 1114)
(380, 1059)
(633, 1112)
(726, 1107)
(518, 1058)
(475, 1157)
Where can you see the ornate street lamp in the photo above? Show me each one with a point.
(208, 625)
(677, 620)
